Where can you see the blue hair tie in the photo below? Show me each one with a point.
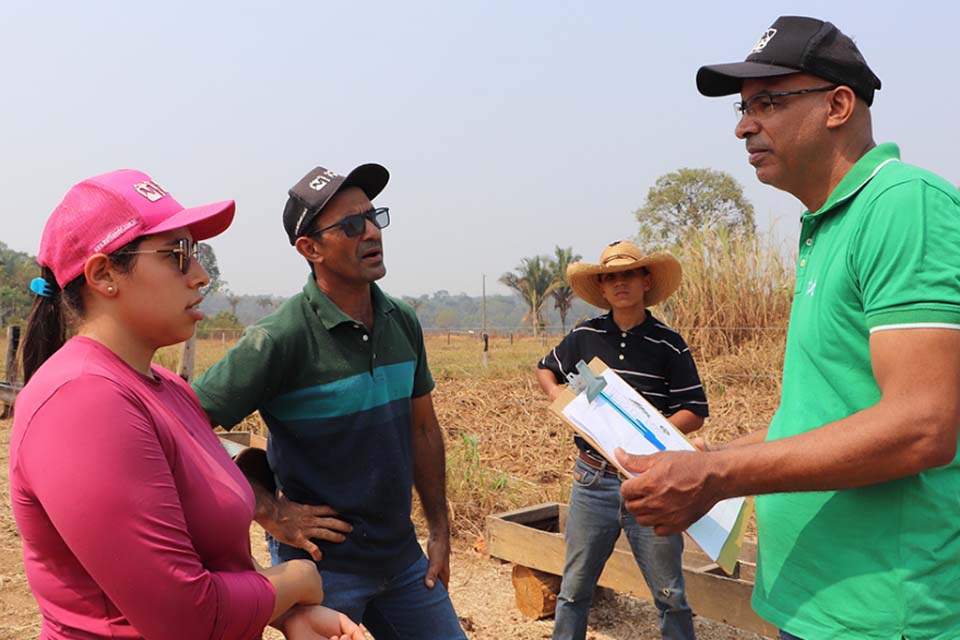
(41, 287)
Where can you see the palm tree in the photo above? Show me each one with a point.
(533, 279)
(562, 293)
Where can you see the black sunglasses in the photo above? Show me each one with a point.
(185, 251)
(354, 225)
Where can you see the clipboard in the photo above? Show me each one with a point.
(608, 413)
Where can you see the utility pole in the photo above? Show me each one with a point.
(483, 330)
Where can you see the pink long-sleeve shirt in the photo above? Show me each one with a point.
(134, 520)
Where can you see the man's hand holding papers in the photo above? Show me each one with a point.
(672, 489)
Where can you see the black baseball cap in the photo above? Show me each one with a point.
(794, 44)
(308, 197)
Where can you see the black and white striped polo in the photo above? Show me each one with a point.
(651, 357)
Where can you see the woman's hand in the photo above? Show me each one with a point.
(295, 582)
(316, 622)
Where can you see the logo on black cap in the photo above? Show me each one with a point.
(322, 179)
(764, 39)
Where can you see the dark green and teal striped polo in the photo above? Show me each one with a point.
(337, 401)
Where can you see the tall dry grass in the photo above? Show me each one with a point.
(736, 289)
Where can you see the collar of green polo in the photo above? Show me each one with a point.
(859, 175)
(331, 315)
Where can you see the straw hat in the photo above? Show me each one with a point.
(618, 256)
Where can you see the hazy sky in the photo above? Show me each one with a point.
(508, 127)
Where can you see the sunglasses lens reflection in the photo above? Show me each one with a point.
(186, 251)
(354, 225)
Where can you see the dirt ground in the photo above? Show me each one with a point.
(480, 587)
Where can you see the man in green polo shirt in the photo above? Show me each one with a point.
(339, 375)
(859, 507)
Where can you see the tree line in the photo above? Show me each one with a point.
(681, 204)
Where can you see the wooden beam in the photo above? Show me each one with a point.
(711, 595)
(692, 554)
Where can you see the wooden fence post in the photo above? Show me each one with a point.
(188, 351)
(13, 344)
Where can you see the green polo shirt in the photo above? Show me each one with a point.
(337, 400)
(880, 562)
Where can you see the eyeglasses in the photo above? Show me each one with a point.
(354, 225)
(764, 104)
(185, 251)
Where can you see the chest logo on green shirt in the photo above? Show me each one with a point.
(811, 287)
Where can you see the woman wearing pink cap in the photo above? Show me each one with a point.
(134, 520)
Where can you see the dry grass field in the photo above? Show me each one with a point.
(504, 450)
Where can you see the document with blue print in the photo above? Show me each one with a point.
(609, 413)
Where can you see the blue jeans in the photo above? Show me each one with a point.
(399, 607)
(596, 516)
(788, 636)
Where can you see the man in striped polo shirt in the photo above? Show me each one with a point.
(655, 361)
(339, 374)
(859, 511)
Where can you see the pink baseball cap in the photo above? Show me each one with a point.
(103, 213)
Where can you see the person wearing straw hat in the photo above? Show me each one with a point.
(857, 477)
(654, 360)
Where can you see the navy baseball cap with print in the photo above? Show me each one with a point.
(795, 44)
(313, 192)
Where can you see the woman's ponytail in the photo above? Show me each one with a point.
(46, 327)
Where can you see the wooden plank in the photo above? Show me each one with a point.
(537, 516)
(518, 543)
(245, 438)
(710, 595)
(692, 554)
(725, 599)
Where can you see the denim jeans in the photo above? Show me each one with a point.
(399, 607)
(596, 517)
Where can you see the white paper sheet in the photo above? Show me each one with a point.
(608, 428)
